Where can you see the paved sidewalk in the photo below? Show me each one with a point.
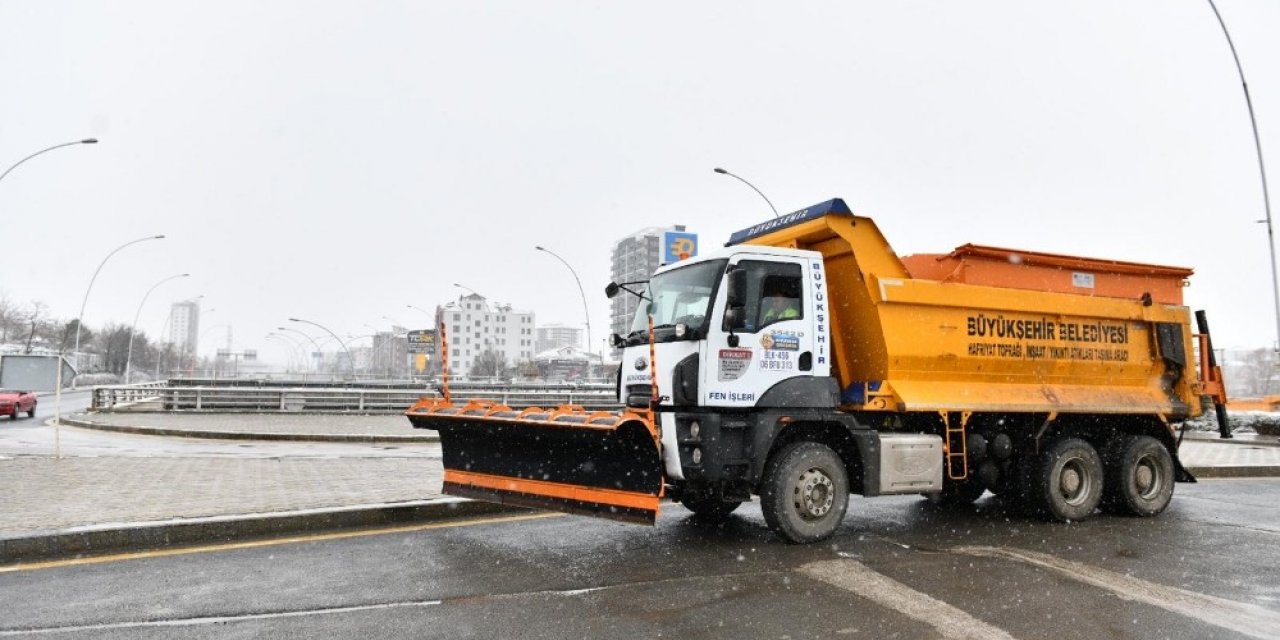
(47, 494)
(55, 507)
(1208, 456)
(264, 426)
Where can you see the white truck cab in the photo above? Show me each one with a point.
(782, 334)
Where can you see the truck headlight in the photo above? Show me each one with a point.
(697, 456)
(694, 429)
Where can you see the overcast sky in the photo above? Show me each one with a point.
(339, 161)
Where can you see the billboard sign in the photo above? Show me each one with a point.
(423, 341)
(678, 245)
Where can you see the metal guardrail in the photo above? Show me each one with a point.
(290, 399)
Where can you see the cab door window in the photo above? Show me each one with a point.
(773, 293)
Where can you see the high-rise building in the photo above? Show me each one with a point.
(477, 331)
(184, 326)
(635, 258)
(555, 336)
(390, 352)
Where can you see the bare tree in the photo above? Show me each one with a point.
(490, 364)
(1252, 371)
(527, 369)
(10, 318)
(37, 309)
(67, 334)
(113, 343)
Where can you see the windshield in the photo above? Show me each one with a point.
(680, 296)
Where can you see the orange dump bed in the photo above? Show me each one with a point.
(1017, 269)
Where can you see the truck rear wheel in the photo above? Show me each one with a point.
(805, 492)
(710, 508)
(1066, 481)
(1139, 473)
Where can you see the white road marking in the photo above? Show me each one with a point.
(948, 621)
(190, 622)
(1248, 619)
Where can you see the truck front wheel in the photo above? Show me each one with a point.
(1066, 480)
(805, 492)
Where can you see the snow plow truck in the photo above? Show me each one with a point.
(806, 361)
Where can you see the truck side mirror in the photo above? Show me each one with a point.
(735, 318)
(611, 289)
(736, 295)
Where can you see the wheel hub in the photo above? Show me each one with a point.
(1146, 478)
(1074, 483)
(813, 494)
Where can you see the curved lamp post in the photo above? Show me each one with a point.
(128, 361)
(80, 318)
(463, 286)
(297, 345)
(1262, 170)
(585, 313)
(291, 348)
(419, 310)
(309, 338)
(350, 361)
(56, 146)
(753, 188)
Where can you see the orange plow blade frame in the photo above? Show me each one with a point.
(568, 459)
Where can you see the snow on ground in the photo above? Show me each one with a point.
(1262, 422)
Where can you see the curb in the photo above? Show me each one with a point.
(246, 435)
(1240, 439)
(1252, 471)
(111, 538)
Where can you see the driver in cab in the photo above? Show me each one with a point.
(777, 304)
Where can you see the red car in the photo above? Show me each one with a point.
(14, 402)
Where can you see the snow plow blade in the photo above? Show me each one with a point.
(567, 459)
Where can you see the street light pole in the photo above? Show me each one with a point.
(350, 361)
(586, 314)
(1262, 170)
(80, 318)
(319, 351)
(753, 188)
(56, 146)
(128, 361)
(291, 346)
(62, 346)
(463, 286)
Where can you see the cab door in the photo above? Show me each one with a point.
(775, 339)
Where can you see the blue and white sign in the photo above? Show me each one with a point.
(833, 206)
(678, 245)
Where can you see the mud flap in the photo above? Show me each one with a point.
(566, 459)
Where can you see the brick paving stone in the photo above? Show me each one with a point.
(1227, 453)
(47, 493)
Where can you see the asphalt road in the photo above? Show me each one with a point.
(897, 569)
(72, 402)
